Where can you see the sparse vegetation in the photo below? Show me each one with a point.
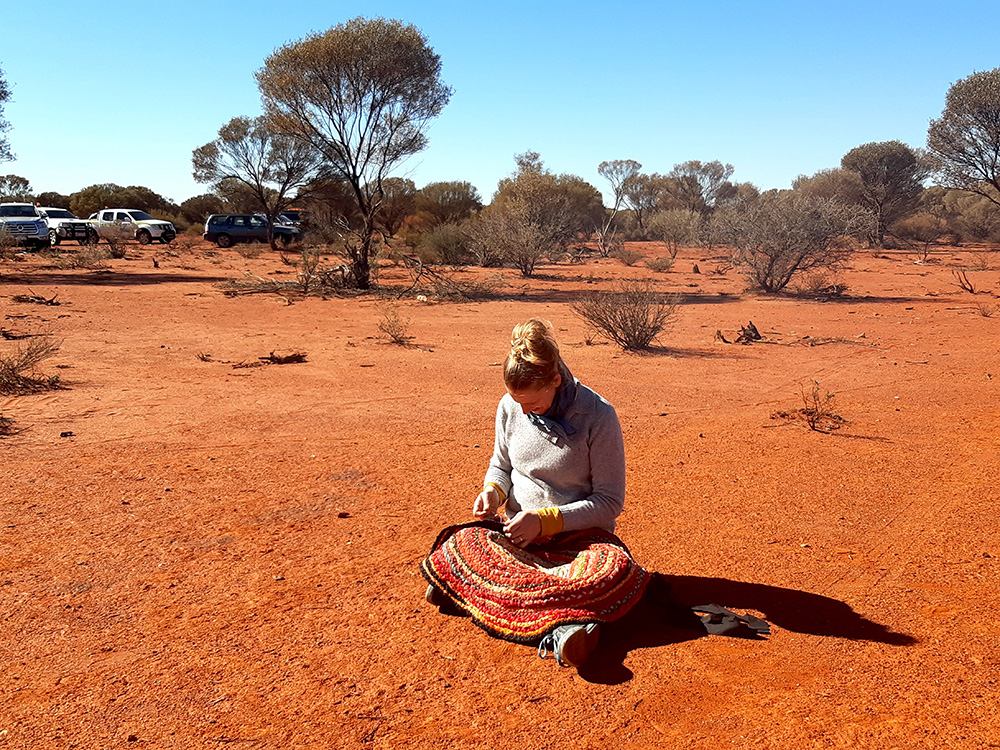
(19, 371)
(446, 243)
(779, 235)
(86, 257)
(986, 309)
(660, 265)
(632, 314)
(817, 410)
(393, 325)
(627, 255)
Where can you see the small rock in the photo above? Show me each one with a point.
(343, 514)
(67, 433)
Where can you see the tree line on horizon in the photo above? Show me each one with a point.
(343, 108)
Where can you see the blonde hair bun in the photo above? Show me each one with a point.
(534, 355)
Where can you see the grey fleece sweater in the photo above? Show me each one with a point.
(583, 474)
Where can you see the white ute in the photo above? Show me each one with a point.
(130, 223)
(63, 225)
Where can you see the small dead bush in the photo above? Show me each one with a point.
(821, 284)
(982, 261)
(632, 314)
(627, 255)
(441, 284)
(660, 265)
(986, 309)
(393, 325)
(817, 410)
(250, 250)
(19, 372)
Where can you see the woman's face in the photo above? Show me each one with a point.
(536, 399)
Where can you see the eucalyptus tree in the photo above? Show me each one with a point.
(965, 140)
(361, 94)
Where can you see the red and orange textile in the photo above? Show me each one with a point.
(519, 595)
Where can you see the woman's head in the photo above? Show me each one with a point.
(531, 372)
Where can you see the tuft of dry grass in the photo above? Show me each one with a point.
(19, 372)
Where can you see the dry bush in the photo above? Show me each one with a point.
(986, 309)
(8, 246)
(674, 227)
(447, 243)
(817, 410)
(444, 285)
(779, 235)
(660, 265)
(982, 261)
(186, 242)
(19, 372)
(117, 246)
(632, 314)
(919, 232)
(393, 325)
(627, 256)
(821, 283)
(250, 250)
(87, 256)
(6, 426)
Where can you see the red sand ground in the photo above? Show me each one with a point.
(223, 555)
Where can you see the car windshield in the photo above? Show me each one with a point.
(59, 213)
(139, 215)
(18, 211)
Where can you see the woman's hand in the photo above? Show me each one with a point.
(523, 528)
(487, 504)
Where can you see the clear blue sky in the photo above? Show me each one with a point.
(123, 92)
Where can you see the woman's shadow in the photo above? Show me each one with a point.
(664, 616)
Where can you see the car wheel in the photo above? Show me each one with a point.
(224, 240)
(92, 238)
(144, 237)
(285, 239)
(53, 238)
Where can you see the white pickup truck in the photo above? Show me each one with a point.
(63, 225)
(130, 223)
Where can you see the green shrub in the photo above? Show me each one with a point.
(447, 243)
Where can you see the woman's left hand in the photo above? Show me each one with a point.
(523, 528)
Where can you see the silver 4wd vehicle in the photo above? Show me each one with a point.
(63, 225)
(24, 225)
(130, 223)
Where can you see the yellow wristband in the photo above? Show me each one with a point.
(552, 520)
(498, 488)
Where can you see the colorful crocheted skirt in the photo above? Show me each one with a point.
(519, 595)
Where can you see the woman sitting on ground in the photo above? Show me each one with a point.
(558, 466)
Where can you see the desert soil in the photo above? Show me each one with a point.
(195, 555)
